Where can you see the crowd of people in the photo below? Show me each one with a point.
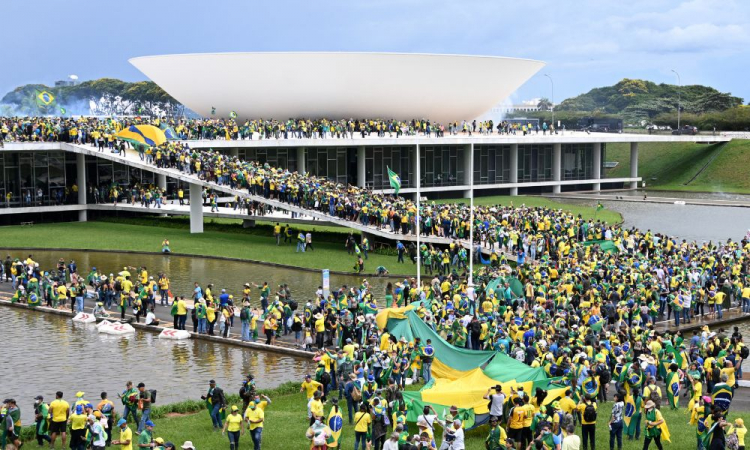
(101, 131)
(590, 297)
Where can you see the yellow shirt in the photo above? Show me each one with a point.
(78, 421)
(567, 405)
(234, 422)
(316, 408)
(529, 414)
(181, 308)
(58, 410)
(255, 414)
(126, 435)
(311, 387)
(729, 371)
(517, 416)
(361, 423)
(581, 409)
(741, 431)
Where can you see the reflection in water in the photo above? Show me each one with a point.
(183, 271)
(45, 353)
(690, 222)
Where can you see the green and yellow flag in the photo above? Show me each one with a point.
(63, 111)
(394, 179)
(599, 206)
(232, 114)
(44, 98)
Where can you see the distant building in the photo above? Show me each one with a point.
(64, 83)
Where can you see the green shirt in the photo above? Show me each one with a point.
(144, 437)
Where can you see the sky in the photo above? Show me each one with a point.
(585, 43)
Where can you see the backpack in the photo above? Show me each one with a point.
(293, 305)
(153, 395)
(605, 376)
(589, 413)
(325, 378)
(243, 314)
(732, 442)
(744, 352)
(655, 397)
(118, 285)
(356, 393)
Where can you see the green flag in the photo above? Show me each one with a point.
(63, 111)
(395, 180)
(599, 207)
(233, 114)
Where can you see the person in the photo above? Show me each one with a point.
(188, 445)
(571, 441)
(362, 421)
(392, 442)
(146, 437)
(151, 317)
(12, 423)
(41, 413)
(741, 430)
(144, 404)
(516, 416)
(496, 439)
(616, 422)
(233, 425)
(129, 399)
(654, 420)
(497, 400)
(59, 412)
(587, 410)
(165, 242)
(216, 402)
(180, 313)
(97, 433)
(78, 423)
(319, 434)
(107, 408)
(255, 417)
(126, 436)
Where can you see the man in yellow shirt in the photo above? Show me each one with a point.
(311, 386)
(126, 436)
(588, 422)
(315, 407)
(362, 421)
(255, 417)
(516, 417)
(59, 410)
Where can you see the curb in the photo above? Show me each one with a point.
(158, 329)
(190, 255)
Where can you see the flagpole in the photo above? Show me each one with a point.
(418, 183)
(470, 287)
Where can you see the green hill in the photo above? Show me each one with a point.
(105, 96)
(674, 166)
(637, 100)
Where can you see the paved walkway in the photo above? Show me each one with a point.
(613, 196)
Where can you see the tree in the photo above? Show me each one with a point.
(544, 104)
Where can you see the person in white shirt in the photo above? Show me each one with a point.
(151, 318)
(429, 418)
(497, 402)
(456, 442)
(391, 443)
(98, 441)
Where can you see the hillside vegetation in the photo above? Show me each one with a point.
(672, 166)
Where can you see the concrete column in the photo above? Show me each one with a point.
(161, 181)
(514, 168)
(361, 172)
(415, 165)
(196, 208)
(633, 164)
(556, 166)
(82, 185)
(301, 162)
(468, 169)
(597, 175)
(234, 152)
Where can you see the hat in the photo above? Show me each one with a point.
(422, 423)
(739, 422)
(159, 441)
(707, 399)
(235, 408)
(188, 445)
(97, 414)
(169, 444)
(650, 405)
(121, 422)
(370, 378)
(80, 394)
(150, 423)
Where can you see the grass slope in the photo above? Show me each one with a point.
(668, 166)
(586, 212)
(123, 236)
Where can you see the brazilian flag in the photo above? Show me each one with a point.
(590, 386)
(599, 206)
(395, 180)
(631, 411)
(596, 323)
(336, 424)
(722, 396)
(44, 98)
(232, 114)
(63, 111)
(673, 389)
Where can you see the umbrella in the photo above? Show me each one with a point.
(147, 135)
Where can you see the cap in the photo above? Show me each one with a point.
(159, 441)
(121, 422)
(235, 408)
(150, 423)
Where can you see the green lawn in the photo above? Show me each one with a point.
(587, 212)
(238, 243)
(669, 166)
(286, 423)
